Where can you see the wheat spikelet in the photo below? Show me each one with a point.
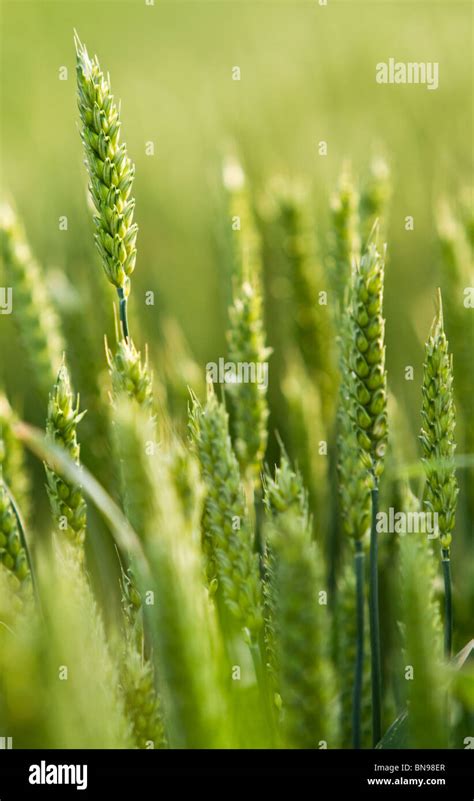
(66, 499)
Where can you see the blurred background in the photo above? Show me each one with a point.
(307, 73)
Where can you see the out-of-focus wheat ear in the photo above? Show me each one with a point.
(438, 442)
(87, 709)
(423, 647)
(67, 500)
(305, 675)
(283, 492)
(179, 368)
(344, 244)
(307, 435)
(31, 306)
(137, 675)
(228, 537)
(375, 197)
(12, 458)
(247, 387)
(312, 321)
(187, 640)
(457, 280)
(246, 245)
(134, 442)
(142, 703)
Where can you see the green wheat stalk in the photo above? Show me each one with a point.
(369, 399)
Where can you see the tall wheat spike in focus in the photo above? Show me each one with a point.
(369, 409)
(111, 174)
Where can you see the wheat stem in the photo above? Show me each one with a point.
(123, 312)
(375, 621)
(448, 601)
(359, 560)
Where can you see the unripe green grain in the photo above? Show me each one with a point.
(110, 171)
(367, 360)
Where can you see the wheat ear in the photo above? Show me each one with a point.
(437, 439)
(111, 174)
(32, 310)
